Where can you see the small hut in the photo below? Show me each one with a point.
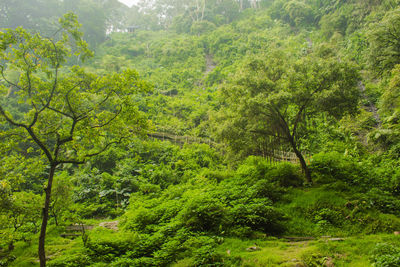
(132, 29)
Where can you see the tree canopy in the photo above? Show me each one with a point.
(384, 37)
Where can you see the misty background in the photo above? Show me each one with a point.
(102, 17)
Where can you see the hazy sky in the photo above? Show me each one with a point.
(128, 2)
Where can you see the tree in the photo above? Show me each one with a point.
(384, 39)
(67, 114)
(92, 16)
(388, 135)
(270, 101)
(298, 13)
(390, 100)
(33, 14)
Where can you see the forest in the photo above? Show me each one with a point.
(188, 133)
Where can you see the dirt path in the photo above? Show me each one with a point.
(371, 106)
(210, 64)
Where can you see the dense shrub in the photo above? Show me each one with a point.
(333, 166)
(385, 255)
(105, 245)
(382, 201)
(257, 215)
(375, 222)
(170, 222)
(73, 258)
(283, 174)
(203, 213)
(286, 174)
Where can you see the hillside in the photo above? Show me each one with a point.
(215, 133)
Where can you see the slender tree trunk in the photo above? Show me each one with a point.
(303, 163)
(11, 246)
(203, 8)
(55, 218)
(45, 216)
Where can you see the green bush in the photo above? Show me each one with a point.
(327, 215)
(385, 255)
(104, 245)
(256, 168)
(203, 251)
(313, 259)
(203, 213)
(257, 215)
(207, 256)
(6, 260)
(135, 262)
(71, 258)
(383, 201)
(238, 204)
(286, 174)
(375, 222)
(333, 166)
(202, 27)
(315, 212)
(253, 169)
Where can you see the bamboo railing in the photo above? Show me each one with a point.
(274, 156)
(180, 140)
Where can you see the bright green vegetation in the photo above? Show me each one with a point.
(170, 146)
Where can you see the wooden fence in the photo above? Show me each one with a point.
(288, 156)
(274, 156)
(181, 140)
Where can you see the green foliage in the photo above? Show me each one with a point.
(269, 104)
(385, 254)
(73, 258)
(286, 174)
(298, 13)
(384, 45)
(383, 201)
(203, 213)
(96, 17)
(86, 109)
(391, 95)
(202, 27)
(283, 174)
(202, 206)
(19, 217)
(205, 253)
(313, 259)
(62, 198)
(333, 23)
(332, 167)
(104, 245)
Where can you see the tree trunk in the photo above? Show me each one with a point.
(303, 163)
(11, 246)
(55, 218)
(45, 216)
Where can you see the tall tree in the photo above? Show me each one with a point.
(68, 114)
(269, 101)
(34, 14)
(384, 39)
(92, 16)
